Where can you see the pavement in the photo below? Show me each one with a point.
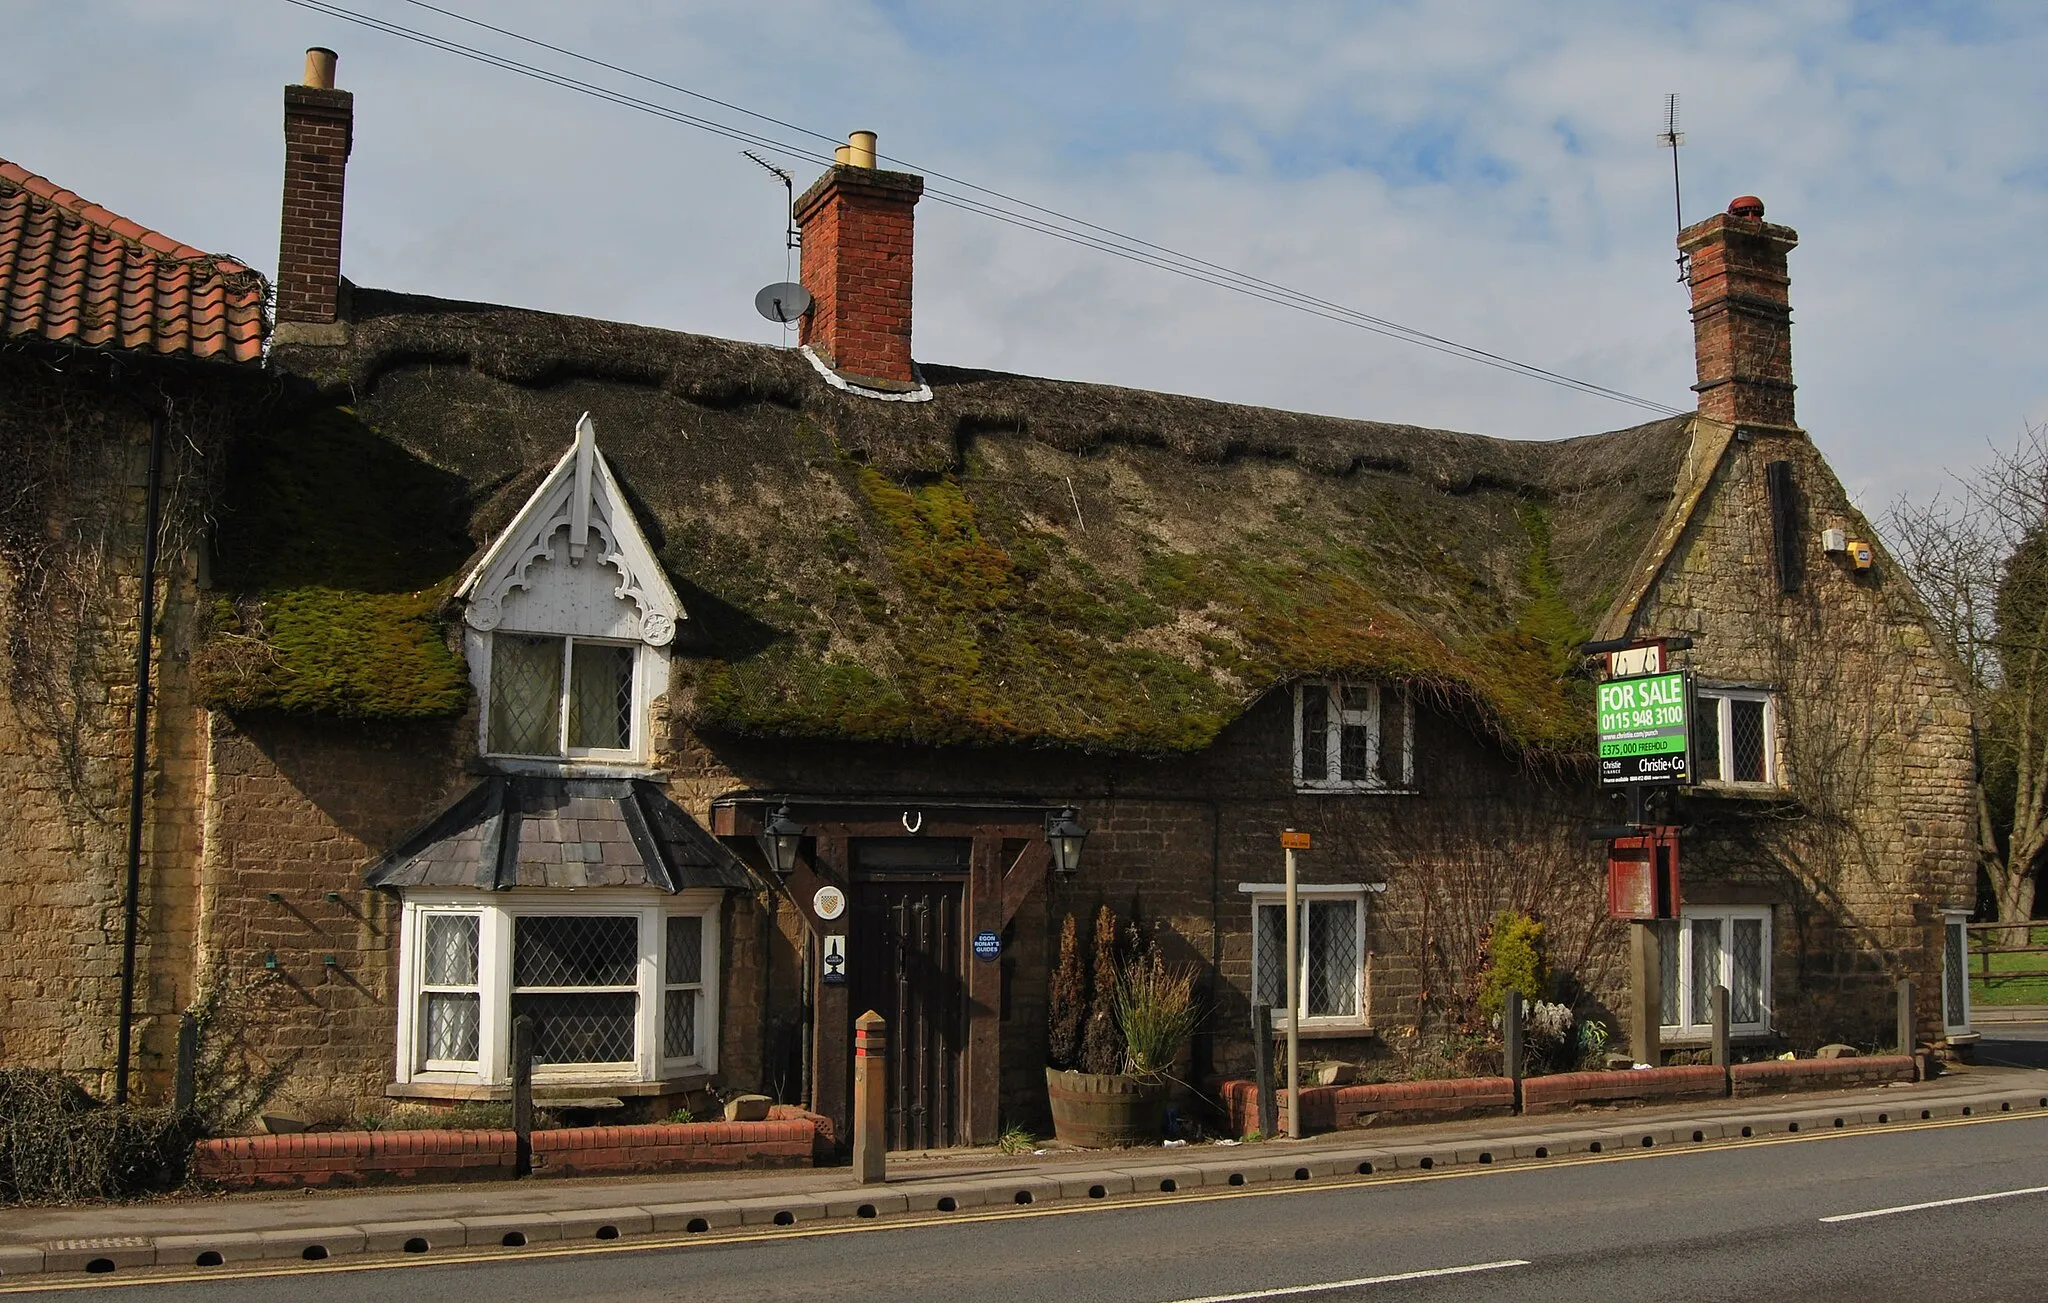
(236, 1231)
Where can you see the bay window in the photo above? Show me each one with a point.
(617, 992)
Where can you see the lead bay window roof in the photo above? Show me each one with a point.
(516, 831)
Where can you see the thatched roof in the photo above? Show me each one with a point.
(1017, 560)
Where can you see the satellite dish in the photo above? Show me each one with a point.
(784, 302)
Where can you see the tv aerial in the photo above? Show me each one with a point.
(784, 302)
(1671, 138)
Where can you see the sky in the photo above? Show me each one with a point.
(1485, 170)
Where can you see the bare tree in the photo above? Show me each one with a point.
(1979, 557)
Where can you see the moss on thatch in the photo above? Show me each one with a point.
(1028, 561)
(335, 548)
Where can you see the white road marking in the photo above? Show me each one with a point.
(1935, 1203)
(1286, 1291)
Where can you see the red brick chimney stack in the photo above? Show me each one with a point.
(1742, 316)
(856, 224)
(319, 122)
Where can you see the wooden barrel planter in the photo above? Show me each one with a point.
(1096, 1110)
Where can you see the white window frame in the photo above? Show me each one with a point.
(1268, 895)
(645, 664)
(704, 991)
(427, 989)
(496, 915)
(1335, 717)
(1687, 1030)
(1724, 728)
(1955, 930)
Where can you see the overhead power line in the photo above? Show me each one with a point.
(968, 197)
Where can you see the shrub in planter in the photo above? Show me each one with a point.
(1154, 1010)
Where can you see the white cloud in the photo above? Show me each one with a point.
(1483, 170)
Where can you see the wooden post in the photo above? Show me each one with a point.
(522, 1095)
(1262, 1061)
(1720, 1002)
(870, 1097)
(1511, 1044)
(1646, 1006)
(1905, 1012)
(185, 1086)
(1294, 1130)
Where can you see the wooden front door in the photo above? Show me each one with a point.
(906, 964)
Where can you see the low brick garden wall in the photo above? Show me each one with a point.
(1775, 1075)
(1640, 1085)
(1325, 1108)
(789, 1138)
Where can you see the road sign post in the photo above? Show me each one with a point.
(1293, 841)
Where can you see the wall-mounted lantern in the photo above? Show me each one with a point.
(779, 838)
(1064, 833)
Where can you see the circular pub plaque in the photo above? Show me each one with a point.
(829, 903)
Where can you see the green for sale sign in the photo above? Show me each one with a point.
(1644, 725)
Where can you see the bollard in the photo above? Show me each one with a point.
(1511, 1044)
(870, 1097)
(1262, 1065)
(185, 1086)
(1720, 1002)
(1905, 1012)
(522, 1095)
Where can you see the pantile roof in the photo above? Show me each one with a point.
(71, 272)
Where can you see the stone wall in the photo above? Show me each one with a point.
(1874, 834)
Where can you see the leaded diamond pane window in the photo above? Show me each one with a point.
(1716, 946)
(1955, 986)
(526, 695)
(560, 696)
(1731, 736)
(550, 950)
(600, 697)
(1746, 741)
(1669, 992)
(683, 986)
(1332, 976)
(1331, 958)
(1269, 983)
(1706, 969)
(450, 1005)
(1746, 971)
(580, 1026)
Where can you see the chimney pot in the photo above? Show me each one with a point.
(1746, 206)
(320, 68)
(860, 149)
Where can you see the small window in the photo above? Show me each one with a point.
(1734, 734)
(531, 713)
(576, 976)
(1708, 947)
(1332, 959)
(450, 1005)
(682, 987)
(1352, 737)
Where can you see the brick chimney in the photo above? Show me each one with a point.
(856, 224)
(1742, 316)
(319, 122)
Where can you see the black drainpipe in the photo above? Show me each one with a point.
(138, 774)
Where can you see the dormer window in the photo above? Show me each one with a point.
(1352, 737)
(570, 620)
(553, 697)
